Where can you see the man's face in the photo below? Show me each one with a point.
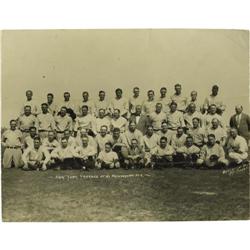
(138, 110)
(215, 91)
(163, 92)
(85, 96)
(215, 123)
(32, 132)
(116, 134)
(213, 109)
(64, 143)
(13, 125)
(163, 143)
(66, 96)
(177, 89)
(118, 94)
(66, 133)
(85, 142)
(195, 123)
(192, 107)
(116, 114)
(63, 112)
(150, 131)
(233, 133)
(193, 95)
(164, 127)
(238, 109)
(158, 108)
(50, 136)
(29, 95)
(49, 98)
(27, 110)
(101, 113)
(179, 131)
(134, 143)
(107, 148)
(211, 140)
(84, 111)
(150, 95)
(189, 142)
(173, 107)
(103, 131)
(44, 108)
(136, 92)
(101, 95)
(132, 126)
(37, 144)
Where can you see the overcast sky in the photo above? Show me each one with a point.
(78, 60)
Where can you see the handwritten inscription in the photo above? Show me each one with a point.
(238, 170)
(105, 176)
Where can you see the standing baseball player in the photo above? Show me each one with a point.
(11, 145)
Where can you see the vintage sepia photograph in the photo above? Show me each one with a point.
(113, 125)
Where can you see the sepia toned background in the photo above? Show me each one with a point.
(77, 60)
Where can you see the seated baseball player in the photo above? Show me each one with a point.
(102, 138)
(175, 118)
(107, 158)
(101, 120)
(119, 144)
(191, 114)
(178, 140)
(85, 121)
(83, 133)
(188, 154)
(162, 155)
(70, 138)
(149, 142)
(133, 133)
(198, 134)
(211, 115)
(26, 120)
(29, 140)
(45, 121)
(36, 157)
(164, 132)
(212, 154)
(157, 117)
(135, 157)
(50, 143)
(63, 156)
(219, 132)
(85, 154)
(118, 121)
(62, 122)
(11, 145)
(237, 148)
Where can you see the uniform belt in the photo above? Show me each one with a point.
(14, 147)
(60, 132)
(173, 129)
(43, 130)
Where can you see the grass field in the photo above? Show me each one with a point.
(120, 195)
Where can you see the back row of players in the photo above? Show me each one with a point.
(125, 132)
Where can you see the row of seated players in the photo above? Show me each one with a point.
(127, 149)
(45, 122)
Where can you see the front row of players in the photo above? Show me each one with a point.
(132, 150)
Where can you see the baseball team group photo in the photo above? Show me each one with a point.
(173, 145)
